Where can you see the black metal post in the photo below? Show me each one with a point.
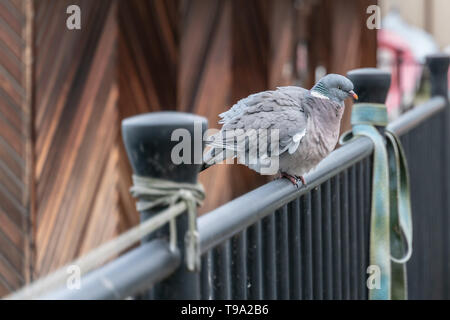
(371, 85)
(438, 65)
(149, 145)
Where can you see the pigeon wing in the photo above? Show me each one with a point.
(271, 112)
(297, 94)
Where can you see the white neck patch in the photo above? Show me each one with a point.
(318, 95)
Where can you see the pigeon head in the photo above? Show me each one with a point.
(335, 87)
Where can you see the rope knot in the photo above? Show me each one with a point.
(153, 192)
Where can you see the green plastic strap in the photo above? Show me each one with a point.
(391, 226)
(371, 114)
(400, 220)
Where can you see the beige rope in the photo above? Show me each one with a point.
(155, 193)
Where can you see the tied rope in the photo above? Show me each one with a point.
(391, 222)
(179, 196)
(153, 192)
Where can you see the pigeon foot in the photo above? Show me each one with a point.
(294, 179)
(302, 180)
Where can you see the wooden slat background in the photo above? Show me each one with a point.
(76, 130)
(14, 140)
(64, 174)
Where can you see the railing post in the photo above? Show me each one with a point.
(390, 222)
(371, 85)
(438, 65)
(148, 141)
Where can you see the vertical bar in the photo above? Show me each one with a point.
(327, 244)
(269, 255)
(283, 253)
(222, 274)
(436, 231)
(434, 278)
(353, 234)
(336, 235)
(255, 262)
(438, 65)
(367, 212)
(413, 266)
(207, 274)
(307, 247)
(239, 267)
(361, 236)
(422, 214)
(444, 215)
(295, 263)
(317, 243)
(432, 257)
(346, 270)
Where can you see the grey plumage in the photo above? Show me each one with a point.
(307, 123)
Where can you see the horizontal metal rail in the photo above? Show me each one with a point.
(127, 275)
(414, 117)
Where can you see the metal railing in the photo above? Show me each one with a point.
(278, 242)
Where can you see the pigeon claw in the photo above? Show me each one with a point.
(294, 179)
(302, 180)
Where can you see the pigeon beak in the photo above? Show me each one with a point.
(353, 94)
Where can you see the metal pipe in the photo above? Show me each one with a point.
(336, 234)
(307, 249)
(361, 233)
(222, 268)
(295, 265)
(282, 253)
(255, 262)
(353, 234)
(327, 241)
(239, 267)
(317, 243)
(127, 275)
(207, 274)
(269, 255)
(346, 271)
(438, 65)
(417, 115)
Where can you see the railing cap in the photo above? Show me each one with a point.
(148, 141)
(438, 62)
(371, 84)
(164, 118)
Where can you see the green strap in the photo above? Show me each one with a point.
(401, 220)
(391, 227)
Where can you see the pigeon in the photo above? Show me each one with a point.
(291, 127)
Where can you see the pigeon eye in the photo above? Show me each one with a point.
(339, 87)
